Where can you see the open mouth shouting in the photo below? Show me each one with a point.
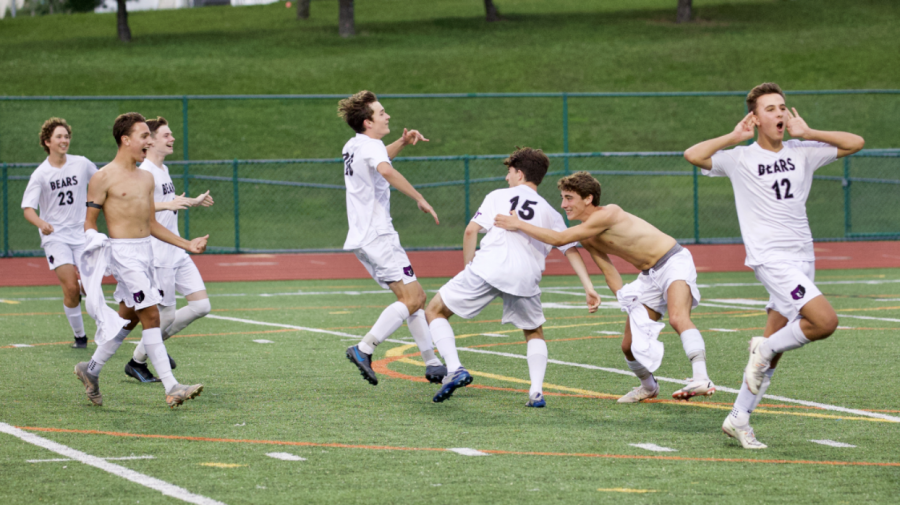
(780, 126)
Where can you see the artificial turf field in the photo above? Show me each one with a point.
(297, 394)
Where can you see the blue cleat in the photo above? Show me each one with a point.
(362, 361)
(536, 400)
(459, 379)
(139, 371)
(435, 373)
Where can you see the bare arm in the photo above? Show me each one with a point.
(181, 202)
(846, 143)
(32, 217)
(593, 299)
(701, 154)
(397, 180)
(96, 195)
(613, 279)
(595, 225)
(409, 137)
(470, 241)
(196, 246)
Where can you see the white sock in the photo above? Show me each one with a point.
(390, 319)
(418, 326)
(184, 316)
(767, 380)
(75, 320)
(445, 341)
(642, 373)
(156, 350)
(746, 401)
(695, 349)
(786, 339)
(537, 364)
(166, 318)
(106, 351)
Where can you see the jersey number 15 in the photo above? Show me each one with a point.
(526, 213)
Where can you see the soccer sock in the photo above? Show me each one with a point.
(390, 319)
(767, 380)
(166, 318)
(156, 350)
(75, 320)
(696, 352)
(537, 364)
(105, 351)
(743, 405)
(642, 373)
(786, 339)
(418, 326)
(445, 341)
(184, 316)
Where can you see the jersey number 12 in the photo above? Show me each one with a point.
(787, 189)
(526, 213)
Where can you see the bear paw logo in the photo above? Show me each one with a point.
(798, 292)
(51, 259)
(408, 271)
(139, 297)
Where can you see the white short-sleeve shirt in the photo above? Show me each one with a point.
(770, 192)
(368, 193)
(511, 261)
(164, 254)
(61, 195)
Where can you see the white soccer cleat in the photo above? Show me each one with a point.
(702, 387)
(757, 366)
(639, 394)
(744, 435)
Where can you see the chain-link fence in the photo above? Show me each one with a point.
(299, 205)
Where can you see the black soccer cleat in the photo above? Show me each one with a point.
(80, 343)
(362, 361)
(435, 373)
(139, 371)
(172, 364)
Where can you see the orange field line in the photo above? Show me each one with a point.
(436, 449)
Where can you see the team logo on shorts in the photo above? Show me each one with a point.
(51, 259)
(408, 271)
(798, 292)
(139, 297)
(161, 293)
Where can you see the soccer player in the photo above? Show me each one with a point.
(509, 265)
(125, 194)
(771, 180)
(174, 268)
(58, 187)
(668, 280)
(368, 176)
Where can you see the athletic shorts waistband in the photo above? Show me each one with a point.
(665, 257)
(129, 240)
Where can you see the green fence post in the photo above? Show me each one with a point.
(466, 167)
(696, 208)
(237, 207)
(186, 177)
(5, 212)
(186, 188)
(565, 107)
(846, 184)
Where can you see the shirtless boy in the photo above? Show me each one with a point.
(125, 194)
(668, 280)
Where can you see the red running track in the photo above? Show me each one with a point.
(281, 267)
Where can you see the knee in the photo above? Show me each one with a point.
(201, 308)
(680, 322)
(828, 325)
(414, 301)
(626, 348)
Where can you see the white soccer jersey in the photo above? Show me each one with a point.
(164, 254)
(511, 261)
(770, 192)
(368, 193)
(61, 195)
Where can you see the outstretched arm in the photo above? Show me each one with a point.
(196, 246)
(593, 299)
(595, 225)
(397, 180)
(409, 137)
(846, 143)
(181, 202)
(701, 154)
(470, 241)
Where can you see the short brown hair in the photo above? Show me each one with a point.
(583, 184)
(766, 88)
(355, 110)
(154, 124)
(531, 162)
(124, 124)
(49, 127)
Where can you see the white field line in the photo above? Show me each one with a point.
(263, 341)
(465, 451)
(654, 447)
(119, 471)
(285, 456)
(824, 406)
(832, 443)
(56, 460)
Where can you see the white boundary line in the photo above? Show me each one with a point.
(119, 471)
(59, 460)
(824, 406)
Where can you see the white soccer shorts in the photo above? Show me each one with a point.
(654, 286)
(132, 266)
(183, 278)
(790, 285)
(386, 260)
(467, 295)
(59, 254)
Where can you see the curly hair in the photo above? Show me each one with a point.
(531, 162)
(583, 184)
(355, 110)
(49, 127)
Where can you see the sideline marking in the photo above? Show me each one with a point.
(222, 465)
(465, 451)
(625, 490)
(67, 459)
(832, 443)
(263, 341)
(434, 449)
(654, 447)
(120, 471)
(724, 330)
(285, 456)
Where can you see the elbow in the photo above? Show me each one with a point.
(859, 144)
(691, 157)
